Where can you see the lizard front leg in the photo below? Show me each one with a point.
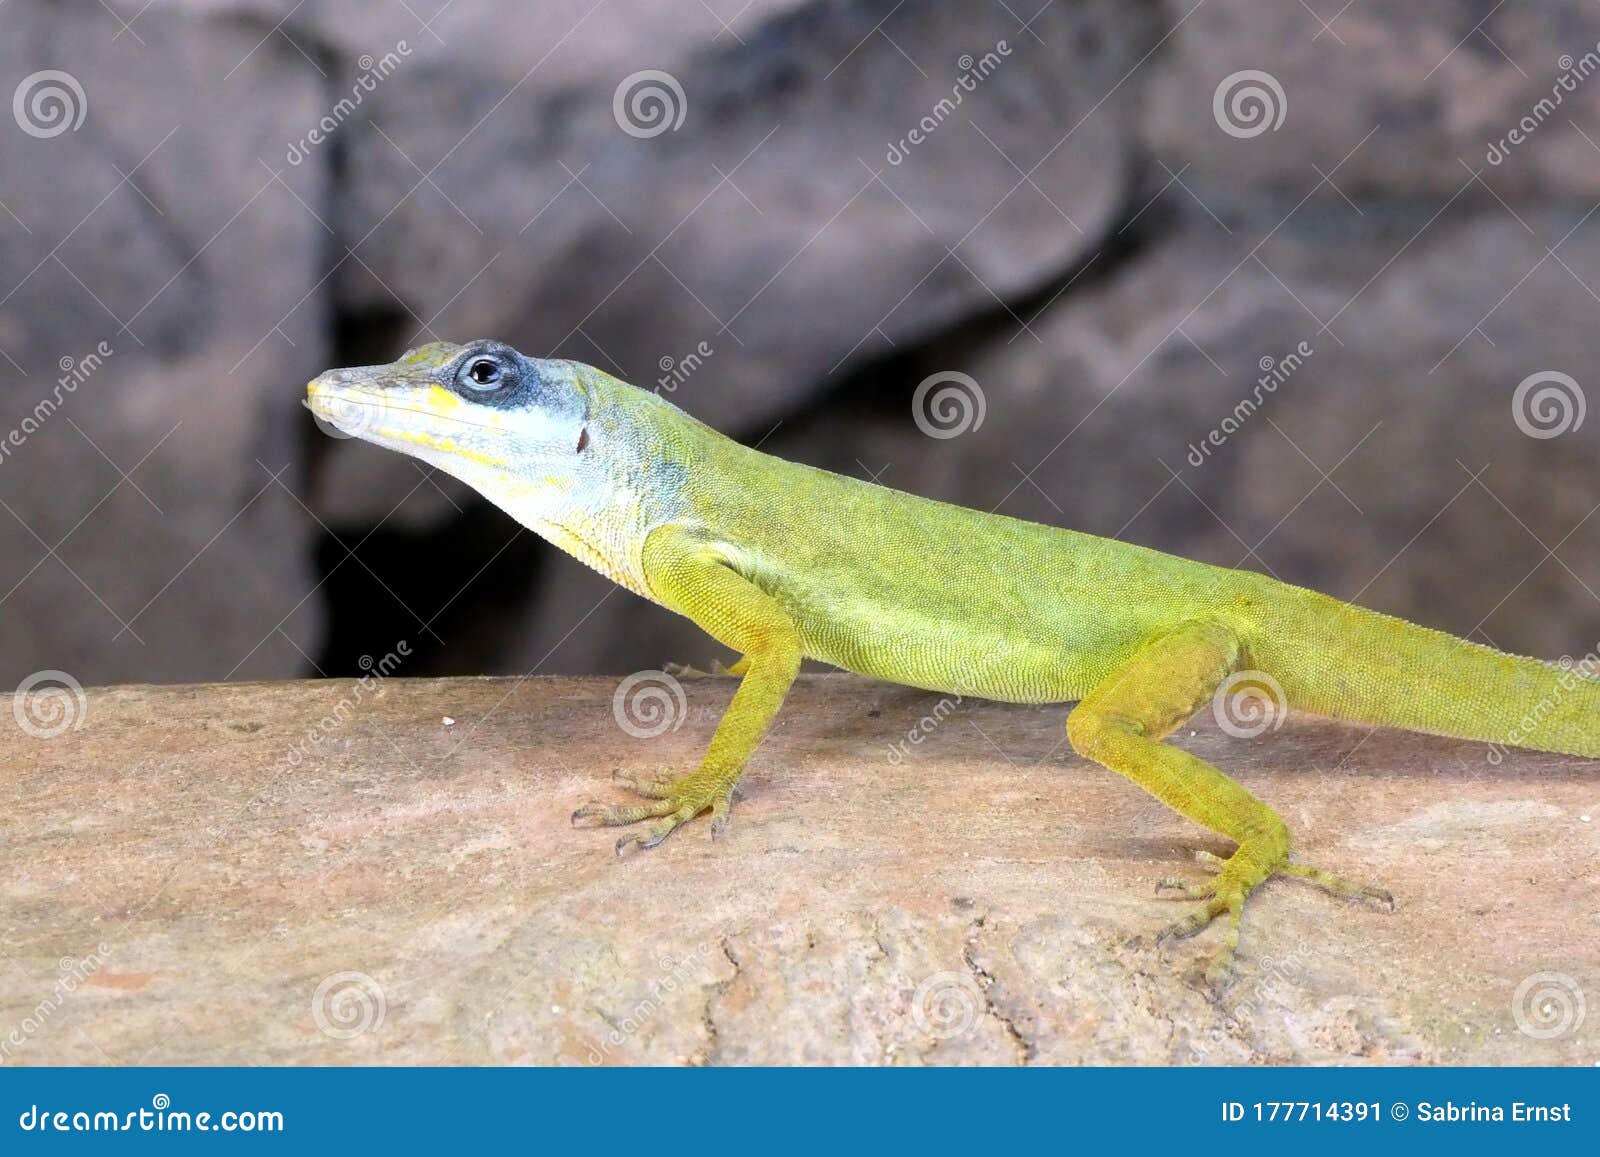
(692, 578)
(1121, 725)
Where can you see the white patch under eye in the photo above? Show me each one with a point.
(538, 427)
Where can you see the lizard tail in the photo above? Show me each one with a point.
(1363, 666)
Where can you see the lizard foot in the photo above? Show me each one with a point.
(1226, 892)
(676, 802)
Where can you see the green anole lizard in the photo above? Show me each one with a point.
(781, 561)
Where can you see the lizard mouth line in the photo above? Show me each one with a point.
(372, 402)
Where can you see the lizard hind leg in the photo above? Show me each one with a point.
(1121, 723)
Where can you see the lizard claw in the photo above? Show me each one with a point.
(648, 786)
(1226, 893)
(673, 804)
(1172, 888)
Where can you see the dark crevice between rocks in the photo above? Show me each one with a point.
(446, 590)
(714, 993)
(881, 388)
(986, 981)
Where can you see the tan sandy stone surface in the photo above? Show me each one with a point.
(187, 880)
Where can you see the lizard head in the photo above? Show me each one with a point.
(464, 408)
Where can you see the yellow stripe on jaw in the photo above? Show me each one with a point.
(447, 446)
(447, 404)
(440, 400)
(435, 399)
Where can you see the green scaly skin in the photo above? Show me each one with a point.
(780, 561)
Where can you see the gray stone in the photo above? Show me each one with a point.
(205, 256)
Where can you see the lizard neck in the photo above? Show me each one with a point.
(601, 504)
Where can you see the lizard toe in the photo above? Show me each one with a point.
(597, 815)
(643, 784)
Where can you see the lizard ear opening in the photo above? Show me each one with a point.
(583, 439)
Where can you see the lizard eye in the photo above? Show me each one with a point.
(484, 373)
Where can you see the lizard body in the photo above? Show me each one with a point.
(781, 561)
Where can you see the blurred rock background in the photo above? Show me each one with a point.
(778, 211)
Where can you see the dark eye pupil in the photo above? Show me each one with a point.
(484, 372)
